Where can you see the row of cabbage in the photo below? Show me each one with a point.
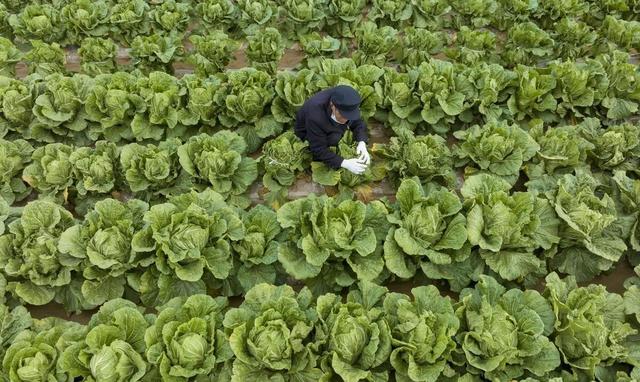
(70, 21)
(435, 96)
(151, 172)
(211, 52)
(565, 334)
(570, 220)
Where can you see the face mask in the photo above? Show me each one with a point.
(333, 116)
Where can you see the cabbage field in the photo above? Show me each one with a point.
(159, 220)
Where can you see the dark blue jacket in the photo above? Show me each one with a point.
(314, 123)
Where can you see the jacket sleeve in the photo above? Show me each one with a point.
(320, 148)
(359, 129)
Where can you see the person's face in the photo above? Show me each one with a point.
(337, 114)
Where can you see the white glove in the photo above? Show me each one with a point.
(363, 154)
(354, 165)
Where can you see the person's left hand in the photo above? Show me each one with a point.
(363, 154)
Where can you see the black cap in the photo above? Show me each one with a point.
(347, 101)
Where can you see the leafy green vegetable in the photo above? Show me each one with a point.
(211, 52)
(623, 94)
(265, 48)
(218, 14)
(112, 103)
(155, 52)
(579, 86)
(103, 243)
(170, 16)
(343, 16)
(50, 170)
(283, 158)
(255, 14)
(187, 340)
(423, 329)
(428, 231)
(473, 45)
(14, 156)
(616, 147)
(12, 322)
(152, 168)
(29, 254)
(314, 45)
(258, 250)
(533, 95)
(45, 59)
(510, 228)
(590, 328)
(390, 12)
(292, 90)
(629, 199)
(426, 156)
(220, 160)
(497, 148)
(113, 347)
(37, 21)
(98, 56)
(9, 57)
(34, 354)
(445, 92)
(189, 235)
(592, 232)
(504, 333)
(340, 239)
(573, 38)
(399, 104)
(375, 45)
(129, 18)
(85, 18)
(302, 16)
(353, 336)
(527, 44)
(94, 169)
(271, 335)
(58, 107)
(162, 94)
(17, 101)
(430, 14)
(419, 45)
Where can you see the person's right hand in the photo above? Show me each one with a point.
(354, 165)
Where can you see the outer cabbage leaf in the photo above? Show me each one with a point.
(13, 321)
